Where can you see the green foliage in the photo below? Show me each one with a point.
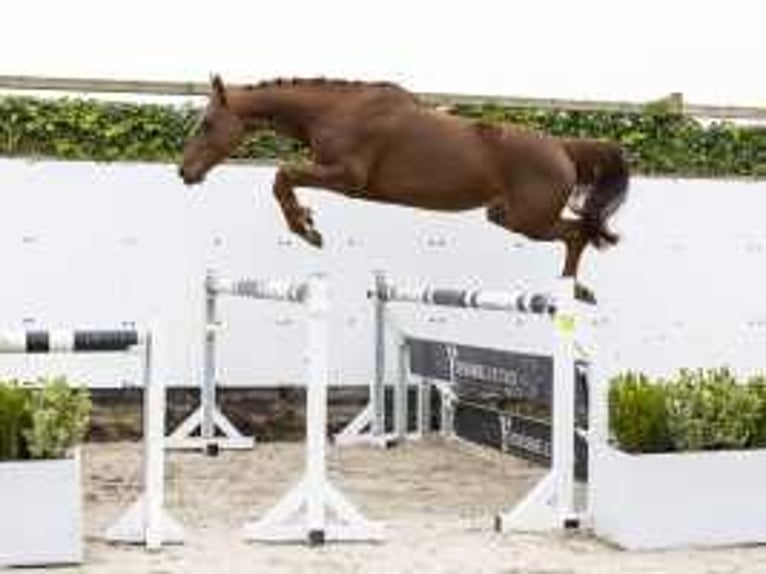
(709, 409)
(59, 419)
(43, 420)
(14, 419)
(758, 387)
(638, 415)
(659, 141)
(695, 410)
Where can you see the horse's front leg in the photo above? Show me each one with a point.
(297, 217)
(289, 177)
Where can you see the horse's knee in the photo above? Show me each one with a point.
(281, 182)
(497, 213)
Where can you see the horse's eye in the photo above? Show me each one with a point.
(206, 125)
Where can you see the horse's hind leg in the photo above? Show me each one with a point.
(289, 177)
(575, 239)
(571, 232)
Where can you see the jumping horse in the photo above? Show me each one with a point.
(376, 141)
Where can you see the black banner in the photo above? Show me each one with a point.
(482, 374)
(485, 379)
(526, 437)
(501, 374)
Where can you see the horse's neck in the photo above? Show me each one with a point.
(290, 111)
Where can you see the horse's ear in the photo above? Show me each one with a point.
(219, 91)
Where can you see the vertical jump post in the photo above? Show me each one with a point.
(313, 511)
(200, 431)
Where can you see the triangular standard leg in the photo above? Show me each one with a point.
(539, 511)
(288, 520)
(133, 527)
(358, 430)
(187, 436)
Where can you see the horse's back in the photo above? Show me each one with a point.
(430, 159)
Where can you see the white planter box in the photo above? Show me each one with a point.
(41, 512)
(672, 500)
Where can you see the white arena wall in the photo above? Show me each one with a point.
(96, 245)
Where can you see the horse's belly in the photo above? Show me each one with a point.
(441, 181)
(430, 196)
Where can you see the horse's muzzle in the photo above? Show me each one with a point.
(189, 178)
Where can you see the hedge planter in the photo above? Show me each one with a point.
(41, 512)
(654, 501)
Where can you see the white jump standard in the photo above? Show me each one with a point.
(550, 505)
(208, 419)
(314, 511)
(369, 424)
(146, 521)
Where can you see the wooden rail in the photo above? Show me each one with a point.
(170, 88)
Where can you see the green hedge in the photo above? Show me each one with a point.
(658, 141)
(694, 410)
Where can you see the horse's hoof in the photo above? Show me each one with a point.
(307, 216)
(314, 238)
(583, 294)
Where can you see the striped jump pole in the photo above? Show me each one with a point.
(314, 511)
(550, 505)
(21, 341)
(146, 521)
(513, 301)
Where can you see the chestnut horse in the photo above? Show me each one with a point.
(375, 141)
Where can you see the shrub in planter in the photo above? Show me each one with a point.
(40, 472)
(14, 420)
(60, 416)
(41, 421)
(638, 414)
(695, 410)
(708, 492)
(710, 410)
(757, 386)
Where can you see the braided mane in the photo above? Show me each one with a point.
(321, 82)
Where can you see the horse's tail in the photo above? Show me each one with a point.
(602, 185)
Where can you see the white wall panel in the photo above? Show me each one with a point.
(96, 245)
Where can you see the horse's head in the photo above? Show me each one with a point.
(217, 133)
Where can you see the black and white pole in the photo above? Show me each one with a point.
(520, 301)
(19, 341)
(207, 428)
(146, 521)
(314, 511)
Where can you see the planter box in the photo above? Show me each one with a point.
(654, 501)
(41, 512)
